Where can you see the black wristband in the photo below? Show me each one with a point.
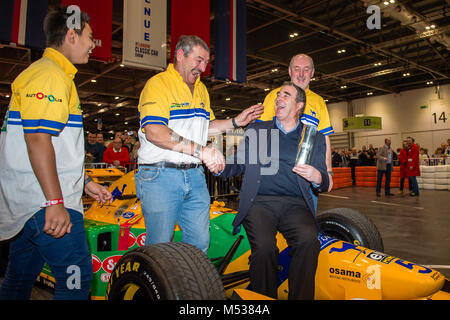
(234, 123)
(87, 180)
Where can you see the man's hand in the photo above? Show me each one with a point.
(330, 180)
(213, 159)
(98, 192)
(309, 173)
(57, 221)
(249, 114)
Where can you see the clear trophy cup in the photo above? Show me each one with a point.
(306, 146)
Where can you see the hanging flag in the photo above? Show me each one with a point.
(230, 40)
(21, 22)
(190, 17)
(144, 34)
(100, 14)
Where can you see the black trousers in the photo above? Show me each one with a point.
(292, 219)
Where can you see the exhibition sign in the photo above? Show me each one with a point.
(144, 34)
(361, 123)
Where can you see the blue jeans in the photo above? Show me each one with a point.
(170, 196)
(387, 182)
(68, 257)
(414, 186)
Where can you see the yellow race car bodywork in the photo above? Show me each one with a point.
(345, 270)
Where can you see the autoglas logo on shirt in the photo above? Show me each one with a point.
(40, 96)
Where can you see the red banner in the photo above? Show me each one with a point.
(100, 13)
(190, 17)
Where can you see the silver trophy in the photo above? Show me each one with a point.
(306, 146)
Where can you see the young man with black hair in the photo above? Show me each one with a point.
(41, 168)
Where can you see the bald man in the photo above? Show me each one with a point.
(301, 71)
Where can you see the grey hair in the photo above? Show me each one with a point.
(301, 95)
(186, 43)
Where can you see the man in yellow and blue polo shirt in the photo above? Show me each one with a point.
(41, 168)
(175, 117)
(301, 71)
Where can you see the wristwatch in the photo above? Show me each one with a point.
(87, 180)
(198, 149)
(331, 173)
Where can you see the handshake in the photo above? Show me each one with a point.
(212, 158)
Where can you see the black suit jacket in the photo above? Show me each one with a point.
(258, 139)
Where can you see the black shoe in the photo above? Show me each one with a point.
(389, 194)
(378, 194)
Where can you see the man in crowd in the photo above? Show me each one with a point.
(94, 150)
(335, 158)
(281, 201)
(117, 155)
(101, 141)
(384, 167)
(353, 162)
(301, 71)
(175, 117)
(41, 168)
(364, 157)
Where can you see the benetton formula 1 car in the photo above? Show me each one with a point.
(351, 263)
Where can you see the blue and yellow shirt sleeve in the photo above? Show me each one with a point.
(154, 108)
(44, 104)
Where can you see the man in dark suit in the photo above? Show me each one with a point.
(276, 196)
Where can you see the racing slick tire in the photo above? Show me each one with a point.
(351, 226)
(165, 271)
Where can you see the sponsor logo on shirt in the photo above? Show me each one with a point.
(40, 96)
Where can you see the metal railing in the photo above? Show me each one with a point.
(220, 188)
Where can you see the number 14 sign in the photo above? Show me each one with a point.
(440, 114)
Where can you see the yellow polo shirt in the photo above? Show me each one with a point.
(44, 100)
(315, 112)
(167, 100)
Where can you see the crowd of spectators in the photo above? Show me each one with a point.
(367, 156)
(120, 151)
(125, 145)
